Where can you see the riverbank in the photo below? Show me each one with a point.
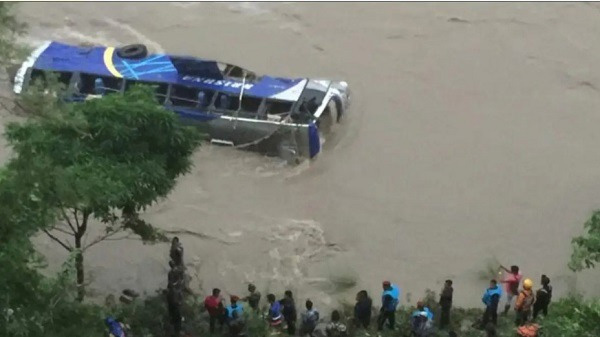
(150, 318)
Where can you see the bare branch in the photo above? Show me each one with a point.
(62, 231)
(64, 214)
(64, 245)
(106, 236)
(76, 219)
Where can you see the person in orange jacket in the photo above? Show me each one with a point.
(524, 303)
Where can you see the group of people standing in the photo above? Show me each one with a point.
(527, 304)
(421, 319)
(282, 314)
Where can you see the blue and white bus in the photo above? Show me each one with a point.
(236, 106)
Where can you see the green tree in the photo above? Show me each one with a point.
(10, 30)
(99, 163)
(586, 248)
(573, 317)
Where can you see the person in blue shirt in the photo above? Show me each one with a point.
(234, 307)
(115, 328)
(275, 316)
(235, 317)
(491, 298)
(422, 320)
(310, 319)
(389, 298)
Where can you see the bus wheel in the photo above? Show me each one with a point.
(133, 51)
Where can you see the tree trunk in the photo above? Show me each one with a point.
(79, 268)
(79, 257)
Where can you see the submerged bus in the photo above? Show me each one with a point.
(235, 106)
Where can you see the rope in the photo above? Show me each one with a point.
(254, 142)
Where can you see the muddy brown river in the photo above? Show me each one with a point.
(472, 137)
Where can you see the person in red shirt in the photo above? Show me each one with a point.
(216, 309)
(512, 280)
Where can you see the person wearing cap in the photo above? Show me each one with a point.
(524, 303)
(389, 298)
(253, 298)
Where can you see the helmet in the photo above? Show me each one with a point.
(527, 284)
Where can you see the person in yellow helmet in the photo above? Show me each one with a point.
(524, 303)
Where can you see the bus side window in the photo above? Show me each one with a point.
(160, 93)
(63, 78)
(227, 102)
(278, 107)
(251, 104)
(205, 98)
(190, 97)
(99, 85)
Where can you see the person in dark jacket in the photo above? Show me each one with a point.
(446, 304)
(387, 313)
(253, 298)
(174, 302)
(491, 298)
(175, 277)
(362, 310)
(289, 312)
(176, 252)
(543, 297)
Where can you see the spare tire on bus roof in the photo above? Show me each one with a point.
(133, 51)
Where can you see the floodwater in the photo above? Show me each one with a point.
(472, 138)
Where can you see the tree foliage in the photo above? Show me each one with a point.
(586, 248)
(573, 317)
(10, 30)
(104, 160)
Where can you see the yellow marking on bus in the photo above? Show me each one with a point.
(108, 62)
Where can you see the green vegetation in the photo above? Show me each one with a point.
(10, 30)
(586, 248)
(104, 160)
(92, 167)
